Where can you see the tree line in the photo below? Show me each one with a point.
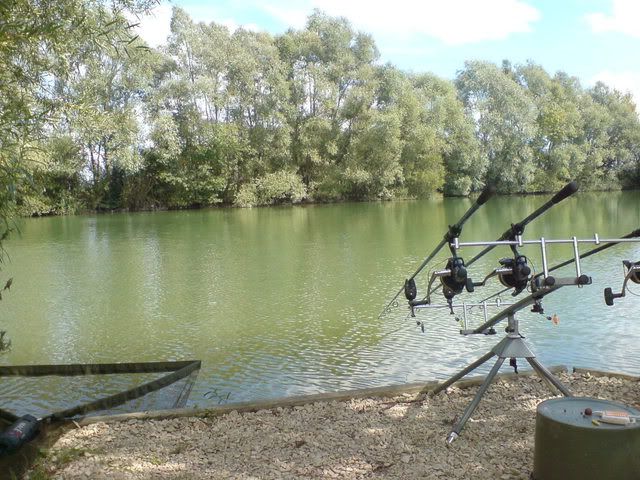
(220, 117)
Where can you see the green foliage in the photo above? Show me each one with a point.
(90, 118)
(372, 162)
(41, 47)
(273, 188)
(443, 153)
(505, 121)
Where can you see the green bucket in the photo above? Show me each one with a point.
(570, 444)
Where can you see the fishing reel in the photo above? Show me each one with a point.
(632, 272)
(514, 273)
(456, 280)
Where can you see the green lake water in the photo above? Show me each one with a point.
(284, 301)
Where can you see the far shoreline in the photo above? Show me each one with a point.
(437, 196)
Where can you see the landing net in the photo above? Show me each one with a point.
(56, 392)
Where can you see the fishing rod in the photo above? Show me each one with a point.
(518, 265)
(517, 229)
(454, 231)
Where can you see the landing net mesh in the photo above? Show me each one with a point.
(71, 391)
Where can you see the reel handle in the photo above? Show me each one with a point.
(632, 274)
(609, 296)
(470, 285)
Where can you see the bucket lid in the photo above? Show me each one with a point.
(571, 411)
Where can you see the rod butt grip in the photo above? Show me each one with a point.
(486, 194)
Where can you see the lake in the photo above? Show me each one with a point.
(285, 300)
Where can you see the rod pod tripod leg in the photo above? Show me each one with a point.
(511, 346)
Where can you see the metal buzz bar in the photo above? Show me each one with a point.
(543, 242)
(542, 288)
(467, 307)
(549, 283)
(593, 251)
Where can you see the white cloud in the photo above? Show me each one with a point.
(454, 22)
(154, 27)
(625, 18)
(625, 82)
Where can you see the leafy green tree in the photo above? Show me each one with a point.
(330, 70)
(272, 189)
(257, 90)
(55, 186)
(226, 95)
(595, 142)
(188, 109)
(505, 123)
(558, 154)
(91, 118)
(153, 185)
(107, 89)
(447, 135)
(371, 166)
(620, 157)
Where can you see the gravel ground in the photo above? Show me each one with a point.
(401, 437)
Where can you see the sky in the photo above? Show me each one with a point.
(590, 39)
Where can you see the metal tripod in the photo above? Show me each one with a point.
(512, 346)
